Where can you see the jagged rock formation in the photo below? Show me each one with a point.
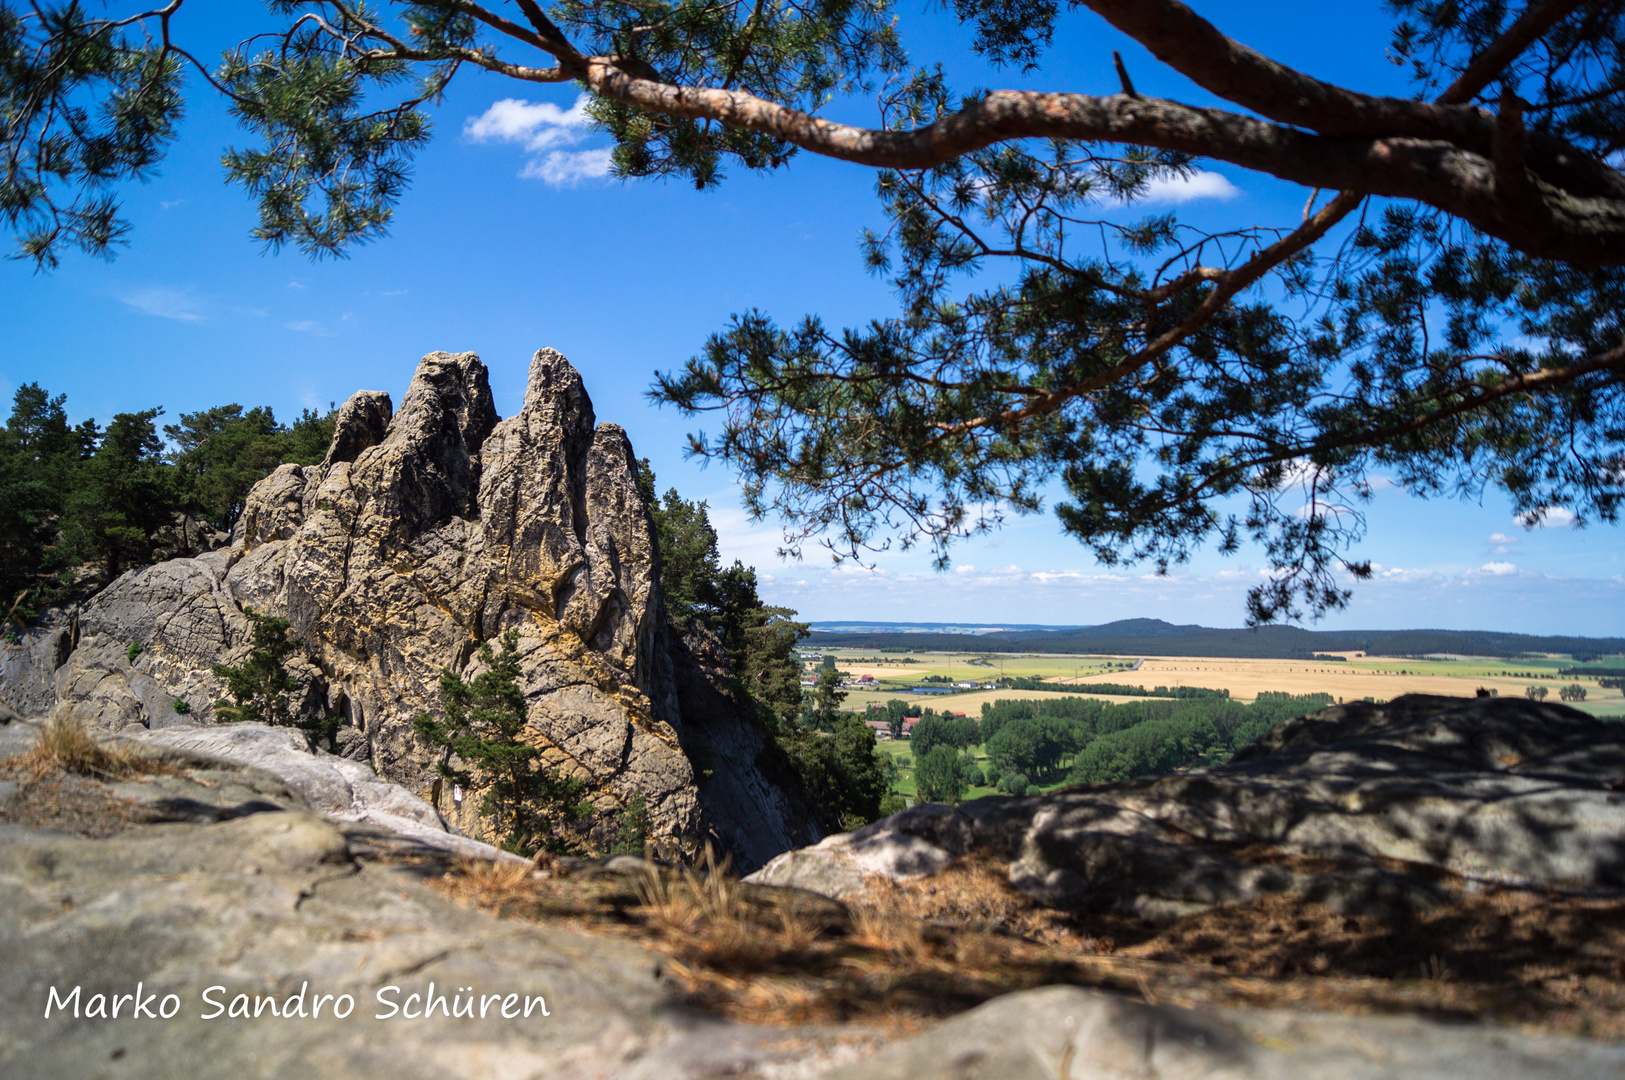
(426, 531)
(1372, 809)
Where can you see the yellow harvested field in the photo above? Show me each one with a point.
(1245, 679)
(970, 702)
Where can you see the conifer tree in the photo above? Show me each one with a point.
(1442, 316)
(480, 746)
(260, 687)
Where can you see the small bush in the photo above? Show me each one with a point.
(182, 706)
(1015, 783)
(133, 651)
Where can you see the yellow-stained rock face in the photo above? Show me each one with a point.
(426, 531)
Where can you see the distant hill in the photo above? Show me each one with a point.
(1155, 637)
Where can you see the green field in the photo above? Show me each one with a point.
(905, 784)
(1474, 667)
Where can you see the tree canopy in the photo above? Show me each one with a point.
(1446, 312)
(80, 505)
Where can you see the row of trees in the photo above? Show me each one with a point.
(82, 503)
(1085, 741)
(1568, 692)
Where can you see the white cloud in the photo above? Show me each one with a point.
(1498, 569)
(1547, 517)
(166, 304)
(170, 204)
(567, 168)
(1177, 189)
(1401, 574)
(1500, 538)
(307, 326)
(539, 125)
(541, 128)
(965, 568)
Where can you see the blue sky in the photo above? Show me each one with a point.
(511, 239)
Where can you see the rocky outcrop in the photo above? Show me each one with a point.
(242, 888)
(1064, 1031)
(424, 532)
(29, 664)
(1372, 809)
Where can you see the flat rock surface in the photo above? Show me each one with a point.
(239, 886)
(272, 903)
(1371, 809)
(335, 787)
(1078, 1034)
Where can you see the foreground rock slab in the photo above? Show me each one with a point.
(274, 906)
(244, 905)
(1372, 809)
(1085, 1035)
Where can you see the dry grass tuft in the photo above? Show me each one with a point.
(66, 747)
(887, 932)
(906, 953)
(488, 878)
(684, 900)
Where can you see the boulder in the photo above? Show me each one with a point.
(426, 531)
(1088, 1035)
(1372, 809)
(28, 666)
(915, 843)
(276, 904)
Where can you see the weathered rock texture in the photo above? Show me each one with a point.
(242, 887)
(1373, 809)
(1063, 1031)
(426, 531)
(239, 886)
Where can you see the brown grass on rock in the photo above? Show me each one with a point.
(911, 952)
(65, 746)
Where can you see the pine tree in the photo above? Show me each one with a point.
(260, 686)
(479, 743)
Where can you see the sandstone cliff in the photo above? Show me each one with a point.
(425, 531)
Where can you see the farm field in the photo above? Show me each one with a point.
(969, 702)
(1360, 676)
